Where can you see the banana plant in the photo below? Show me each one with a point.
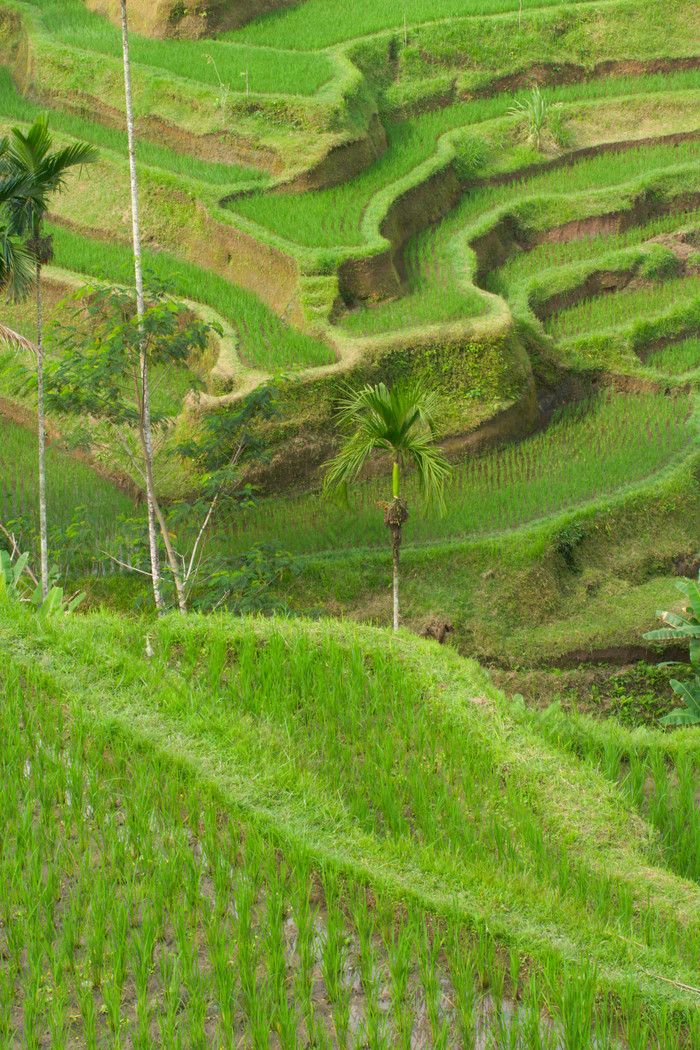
(14, 585)
(681, 627)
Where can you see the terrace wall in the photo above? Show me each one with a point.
(178, 18)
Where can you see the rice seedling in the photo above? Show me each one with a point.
(676, 358)
(76, 496)
(590, 450)
(180, 996)
(278, 71)
(548, 256)
(319, 24)
(613, 311)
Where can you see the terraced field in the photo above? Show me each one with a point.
(355, 193)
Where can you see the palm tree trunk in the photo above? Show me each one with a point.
(43, 531)
(140, 308)
(395, 555)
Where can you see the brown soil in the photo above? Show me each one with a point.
(172, 18)
(544, 75)
(342, 162)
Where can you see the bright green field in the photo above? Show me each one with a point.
(269, 71)
(179, 828)
(318, 23)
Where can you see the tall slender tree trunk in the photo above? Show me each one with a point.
(43, 531)
(395, 557)
(140, 308)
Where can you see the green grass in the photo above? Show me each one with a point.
(83, 507)
(13, 106)
(531, 263)
(614, 311)
(277, 71)
(591, 450)
(676, 358)
(265, 341)
(321, 23)
(149, 794)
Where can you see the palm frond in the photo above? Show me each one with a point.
(17, 266)
(17, 341)
(402, 421)
(53, 169)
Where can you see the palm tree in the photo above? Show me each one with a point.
(29, 156)
(401, 421)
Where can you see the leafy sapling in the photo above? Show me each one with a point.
(682, 627)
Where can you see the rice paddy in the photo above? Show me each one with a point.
(549, 256)
(168, 917)
(591, 450)
(317, 24)
(18, 108)
(676, 358)
(265, 341)
(269, 71)
(624, 307)
(223, 832)
(84, 508)
(333, 217)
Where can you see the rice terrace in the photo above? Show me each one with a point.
(350, 524)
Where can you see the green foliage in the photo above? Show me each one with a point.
(15, 585)
(98, 370)
(681, 628)
(471, 157)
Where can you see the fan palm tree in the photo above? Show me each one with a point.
(401, 421)
(28, 156)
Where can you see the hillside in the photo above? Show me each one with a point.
(300, 830)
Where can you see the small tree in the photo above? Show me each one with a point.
(401, 421)
(98, 379)
(102, 375)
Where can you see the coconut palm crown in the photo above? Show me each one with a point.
(403, 422)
